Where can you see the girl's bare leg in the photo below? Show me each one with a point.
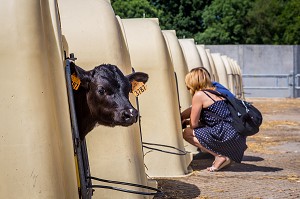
(189, 136)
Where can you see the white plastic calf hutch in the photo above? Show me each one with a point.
(214, 74)
(181, 69)
(237, 78)
(230, 74)
(190, 53)
(36, 149)
(193, 59)
(159, 107)
(205, 60)
(95, 36)
(221, 70)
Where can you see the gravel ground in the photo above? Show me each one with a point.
(270, 167)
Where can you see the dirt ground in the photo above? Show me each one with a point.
(270, 167)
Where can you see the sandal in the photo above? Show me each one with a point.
(227, 162)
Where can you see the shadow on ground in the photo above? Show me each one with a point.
(176, 189)
(252, 158)
(244, 167)
(203, 161)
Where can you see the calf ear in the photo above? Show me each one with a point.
(138, 76)
(84, 76)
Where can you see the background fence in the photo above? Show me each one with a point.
(268, 70)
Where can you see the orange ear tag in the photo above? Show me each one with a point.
(75, 81)
(138, 88)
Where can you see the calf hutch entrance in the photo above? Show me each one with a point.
(84, 178)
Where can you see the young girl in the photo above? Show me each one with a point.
(208, 132)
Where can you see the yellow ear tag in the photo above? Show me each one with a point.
(75, 81)
(138, 88)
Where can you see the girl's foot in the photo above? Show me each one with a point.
(219, 163)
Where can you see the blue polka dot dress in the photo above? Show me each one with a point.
(218, 135)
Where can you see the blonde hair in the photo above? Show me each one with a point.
(198, 79)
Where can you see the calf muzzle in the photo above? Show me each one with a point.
(129, 116)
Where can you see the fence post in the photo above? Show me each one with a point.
(292, 84)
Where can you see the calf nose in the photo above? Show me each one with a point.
(129, 115)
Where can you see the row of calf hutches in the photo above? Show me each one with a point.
(221, 68)
(36, 147)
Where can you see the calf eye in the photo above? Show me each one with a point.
(101, 91)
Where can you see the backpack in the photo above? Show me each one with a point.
(246, 118)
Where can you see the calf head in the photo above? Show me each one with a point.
(104, 93)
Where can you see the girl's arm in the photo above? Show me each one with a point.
(197, 104)
(186, 113)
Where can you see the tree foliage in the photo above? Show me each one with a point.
(274, 22)
(135, 9)
(289, 23)
(224, 22)
(263, 22)
(184, 16)
(219, 21)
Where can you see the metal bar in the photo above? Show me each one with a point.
(297, 81)
(75, 134)
(267, 88)
(274, 76)
(265, 75)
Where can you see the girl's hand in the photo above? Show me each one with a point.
(185, 123)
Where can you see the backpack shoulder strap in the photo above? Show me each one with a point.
(216, 93)
(209, 96)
